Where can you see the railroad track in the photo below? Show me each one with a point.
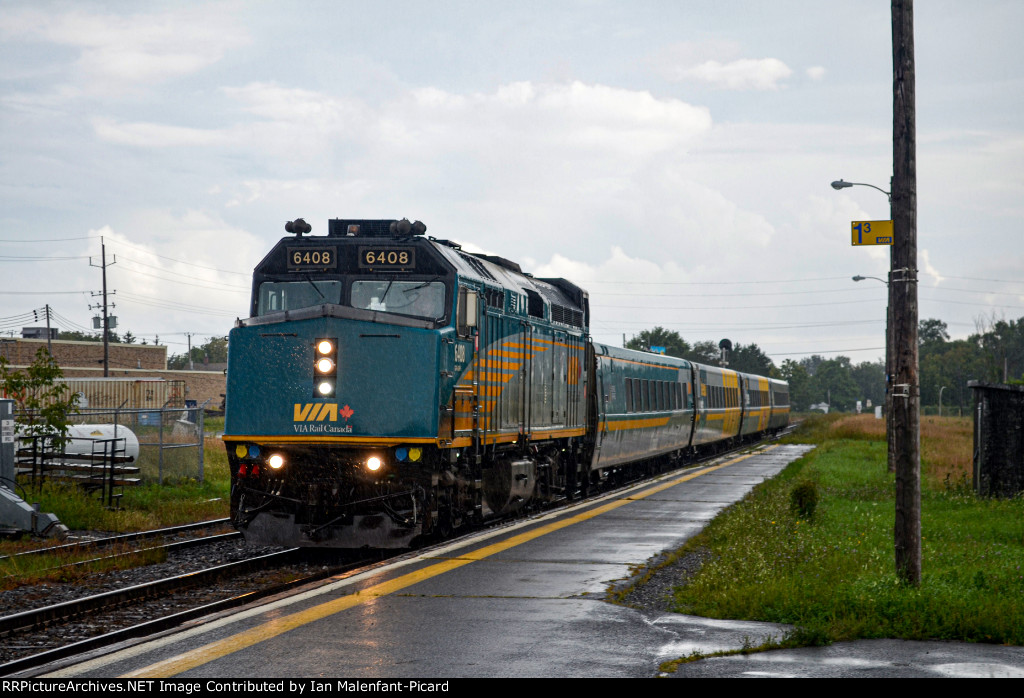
(123, 539)
(100, 620)
(153, 611)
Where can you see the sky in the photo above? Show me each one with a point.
(671, 157)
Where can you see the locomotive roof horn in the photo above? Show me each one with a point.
(298, 227)
(404, 227)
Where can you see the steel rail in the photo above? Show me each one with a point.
(123, 538)
(68, 610)
(166, 623)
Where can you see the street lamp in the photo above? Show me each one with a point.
(890, 343)
(840, 184)
(940, 399)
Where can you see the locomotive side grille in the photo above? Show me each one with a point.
(566, 316)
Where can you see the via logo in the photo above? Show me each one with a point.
(314, 412)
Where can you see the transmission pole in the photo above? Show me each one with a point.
(906, 400)
(106, 318)
(49, 343)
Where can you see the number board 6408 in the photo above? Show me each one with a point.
(392, 258)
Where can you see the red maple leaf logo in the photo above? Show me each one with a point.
(346, 412)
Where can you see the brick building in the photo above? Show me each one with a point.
(78, 359)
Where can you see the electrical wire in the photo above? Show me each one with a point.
(181, 261)
(87, 237)
(223, 287)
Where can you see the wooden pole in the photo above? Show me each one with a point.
(906, 400)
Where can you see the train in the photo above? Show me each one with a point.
(390, 388)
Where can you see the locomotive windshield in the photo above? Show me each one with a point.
(423, 299)
(292, 295)
(420, 298)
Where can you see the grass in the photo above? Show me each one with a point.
(143, 507)
(833, 574)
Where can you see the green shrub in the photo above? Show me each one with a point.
(803, 499)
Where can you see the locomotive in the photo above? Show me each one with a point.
(388, 387)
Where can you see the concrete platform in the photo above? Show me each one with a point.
(522, 601)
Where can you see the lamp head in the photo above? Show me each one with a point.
(840, 184)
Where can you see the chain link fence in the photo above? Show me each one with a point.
(166, 443)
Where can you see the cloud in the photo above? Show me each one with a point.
(140, 48)
(816, 73)
(153, 135)
(189, 263)
(928, 268)
(742, 74)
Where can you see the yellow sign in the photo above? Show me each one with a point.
(871, 232)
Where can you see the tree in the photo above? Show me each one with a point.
(750, 359)
(801, 385)
(215, 351)
(658, 337)
(870, 379)
(834, 378)
(1003, 348)
(42, 405)
(932, 332)
(705, 352)
(77, 336)
(811, 363)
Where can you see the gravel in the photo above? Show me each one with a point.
(25, 598)
(655, 594)
(179, 562)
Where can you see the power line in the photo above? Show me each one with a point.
(13, 258)
(181, 261)
(41, 293)
(221, 287)
(87, 237)
(713, 283)
(821, 351)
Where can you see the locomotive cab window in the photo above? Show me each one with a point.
(275, 296)
(418, 298)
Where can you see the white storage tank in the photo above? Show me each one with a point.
(84, 436)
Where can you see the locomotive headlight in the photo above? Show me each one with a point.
(325, 367)
(276, 461)
(373, 464)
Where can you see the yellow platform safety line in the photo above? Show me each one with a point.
(278, 626)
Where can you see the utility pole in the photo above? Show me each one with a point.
(906, 394)
(49, 342)
(106, 319)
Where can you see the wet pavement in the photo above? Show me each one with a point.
(527, 600)
(859, 659)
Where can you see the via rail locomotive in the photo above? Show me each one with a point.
(389, 386)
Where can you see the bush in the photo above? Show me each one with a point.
(803, 500)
